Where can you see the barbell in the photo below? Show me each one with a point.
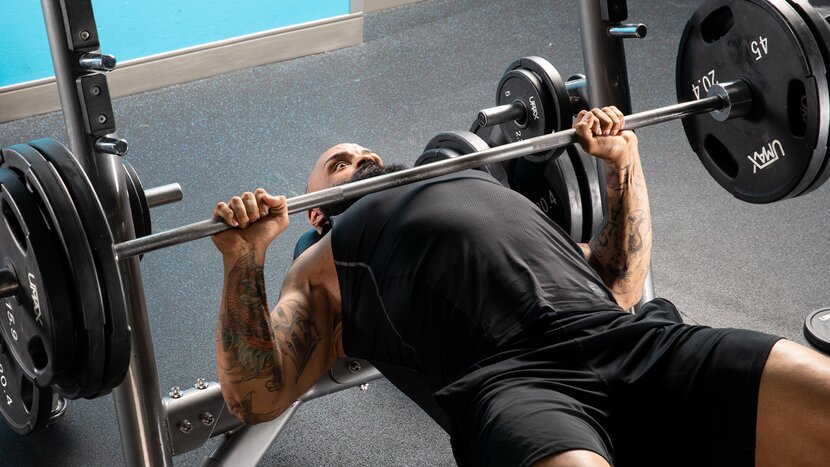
(725, 101)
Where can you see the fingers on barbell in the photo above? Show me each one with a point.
(616, 119)
(224, 212)
(620, 115)
(239, 211)
(267, 203)
(251, 206)
(603, 122)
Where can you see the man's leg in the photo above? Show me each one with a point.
(576, 458)
(793, 425)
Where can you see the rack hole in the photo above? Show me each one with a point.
(38, 353)
(14, 225)
(721, 156)
(716, 24)
(797, 108)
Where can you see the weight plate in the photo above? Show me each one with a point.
(553, 186)
(557, 107)
(817, 329)
(493, 136)
(821, 30)
(777, 150)
(593, 209)
(525, 88)
(37, 320)
(24, 405)
(138, 202)
(45, 184)
(100, 239)
(455, 143)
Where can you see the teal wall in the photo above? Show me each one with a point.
(131, 29)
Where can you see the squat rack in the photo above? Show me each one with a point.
(152, 429)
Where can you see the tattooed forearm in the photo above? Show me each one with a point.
(298, 336)
(622, 250)
(246, 334)
(255, 343)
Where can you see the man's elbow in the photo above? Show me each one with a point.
(252, 408)
(249, 418)
(627, 300)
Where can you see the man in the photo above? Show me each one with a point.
(518, 334)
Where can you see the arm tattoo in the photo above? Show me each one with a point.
(246, 334)
(622, 244)
(258, 341)
(298, 336)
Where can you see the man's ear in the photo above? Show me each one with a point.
(316, 218)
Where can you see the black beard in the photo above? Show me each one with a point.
(367, 170)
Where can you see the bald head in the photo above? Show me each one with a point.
(337, 165)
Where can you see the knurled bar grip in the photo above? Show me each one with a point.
(733, 98)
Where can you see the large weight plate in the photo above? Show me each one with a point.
(817, 22)
(456, 143)
(55, 202)
(138, 202)
(493, 136)
(101, 240)
(37, 321)
(25, 406)
(553, 186)
(557, 107)
(590, 188)
(777, 151)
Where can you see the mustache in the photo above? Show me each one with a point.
(365, 170)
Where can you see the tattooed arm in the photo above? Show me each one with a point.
(622, 251)
(267, 358)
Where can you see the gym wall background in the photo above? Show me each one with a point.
(161, 42)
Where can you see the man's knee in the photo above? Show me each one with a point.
(576, 458)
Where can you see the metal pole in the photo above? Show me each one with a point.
(722, 95)
(607, 76)
(137, 400)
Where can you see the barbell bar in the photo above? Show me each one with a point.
(517, 111)
(157, 196)
(724, 100)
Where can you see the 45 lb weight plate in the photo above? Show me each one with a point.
(777, 150)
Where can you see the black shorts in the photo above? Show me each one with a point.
(639, 390)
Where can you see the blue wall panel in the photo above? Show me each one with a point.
(131, 29)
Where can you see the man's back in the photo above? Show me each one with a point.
(436, 275)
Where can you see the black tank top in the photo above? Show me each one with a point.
(437, 275)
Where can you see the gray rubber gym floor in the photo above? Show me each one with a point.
(423, 69)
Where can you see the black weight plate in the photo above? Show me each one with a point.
(45, 184)
(553, 186)
(526, 88)
(25, 406)
(821, 30)
(559, 114)
(493, 136)
(434, 155)
(100, 239)
(454, 143)
(37, 321)
(593, 209)
(138, 202)
(777, 150)
(817, 329)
